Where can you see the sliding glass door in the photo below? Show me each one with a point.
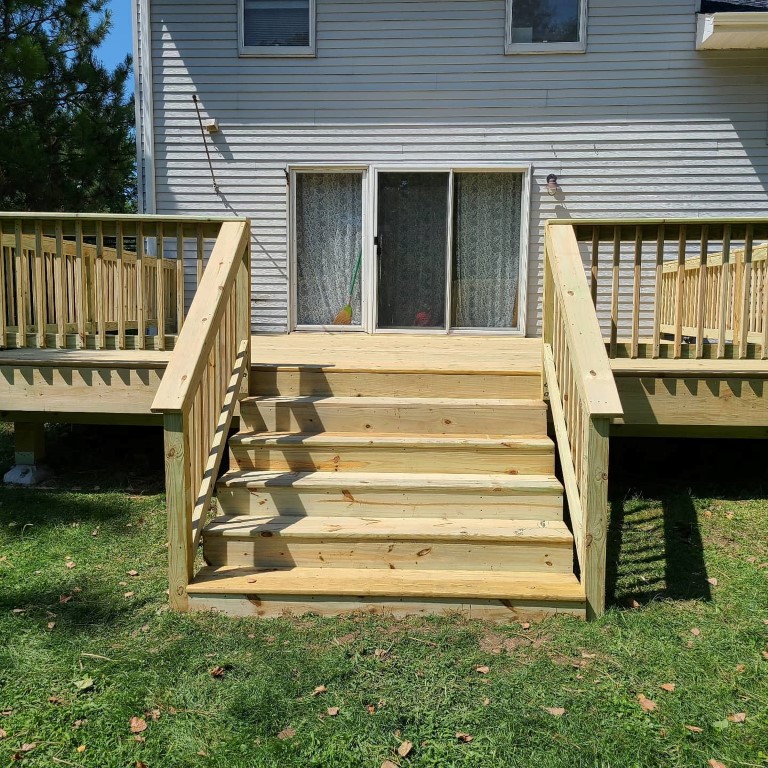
(448, 249)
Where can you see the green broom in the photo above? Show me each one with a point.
(345, 315)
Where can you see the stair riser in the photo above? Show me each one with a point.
(391, 503)
(274, 606)
(286, 552)
(384, 384)
(512, 419)
(385, 459)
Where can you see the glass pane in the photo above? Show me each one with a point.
(329, 236)
(276, 22)
(413, 221)
(545, 21)
(486, 249)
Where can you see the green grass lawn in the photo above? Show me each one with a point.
(87, 644)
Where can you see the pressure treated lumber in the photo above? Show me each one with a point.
(391, 494)
(392, 543)
(428, 415)
(334, 452)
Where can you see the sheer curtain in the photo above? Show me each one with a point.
(329, 229)
(486, 249)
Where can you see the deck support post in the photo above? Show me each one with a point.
(178, 494)
(595, 500)
(29, 452)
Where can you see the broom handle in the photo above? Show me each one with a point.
(354, 276)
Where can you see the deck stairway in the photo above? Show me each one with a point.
(390, 491)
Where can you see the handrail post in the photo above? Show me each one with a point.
(595, 505)
(243, 314)
(179, 503)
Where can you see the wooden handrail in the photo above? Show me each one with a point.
(592, 367)
(185, 368)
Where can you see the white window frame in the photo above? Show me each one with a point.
(579, 46)
(296, 51)
(368, 281)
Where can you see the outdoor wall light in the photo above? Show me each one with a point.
(552, 187)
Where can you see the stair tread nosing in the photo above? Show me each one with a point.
(358, 582)
(390, 529)
(398, 481)
(354, 439)
(393, 400)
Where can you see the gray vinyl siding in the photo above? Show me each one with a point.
(640, 125)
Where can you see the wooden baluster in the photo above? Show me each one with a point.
(764, 342)
(179, 277)
(22, 288)
(38, 300)
(746, 285)
(615, 291)
(160, 298)
(141, 316)
(243, 313)
(61, 285)
(660, 298)
(638, 275)
(81, 295)
(120, 285)
(680, 292)
(5, 284)
(595, 263)
(98, 269)
(725, 282)
(701, 291)
(200, 254)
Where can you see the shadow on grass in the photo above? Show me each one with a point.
(655, 548)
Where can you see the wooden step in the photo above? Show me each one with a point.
(332, 591)
(334, 452)
(394, 543)
(298, 380)
(395, 415)
(391, 494)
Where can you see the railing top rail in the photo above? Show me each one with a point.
(201, 325)
(671, 227)
(137, 217)
(589, 357)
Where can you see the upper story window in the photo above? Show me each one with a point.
(277, 27)
(546, 26)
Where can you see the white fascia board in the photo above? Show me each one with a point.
(732, 31)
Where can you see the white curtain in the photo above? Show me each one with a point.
(486, 249)
(329, 229)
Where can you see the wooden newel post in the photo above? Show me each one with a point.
(595, 495)
(179, 503)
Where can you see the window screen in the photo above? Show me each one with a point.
(545, 21)
(273, 23)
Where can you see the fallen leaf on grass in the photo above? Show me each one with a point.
(389, 764)
(28, 747)
(18, 611)
(694, 729)
(556, 711)
(633, 604)
(81, 748)
(78, 724)
(741, 667)
(69, 564)
(286, 733)
(483, 669)
(132, 573)
(51, 624)
(84, 685)
(486, 702)
(318, 690)
(695, 631)
(381, 653)
(138, 724)
(464, 737)
(141, 764)
(138, 737)
(332, 711)
(64, 598)
(738, 717)
(217, 671)
(55, 700)
(371, 709)
(128, 595)
(405, 748)
(668, 687)
(3, 733)
(153, 714)
(715, 764)
(712, 581)
(647, 704)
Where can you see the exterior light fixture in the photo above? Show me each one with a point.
(552, 187)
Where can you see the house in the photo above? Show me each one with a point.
(416, 250)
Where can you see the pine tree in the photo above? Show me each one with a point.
(66, 125)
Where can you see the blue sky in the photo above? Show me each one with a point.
(119, 42)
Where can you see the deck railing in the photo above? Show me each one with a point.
(583, 398)
(198, 394)
(679, 288)
(98, 281)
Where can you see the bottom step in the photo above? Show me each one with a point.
(329, 592)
